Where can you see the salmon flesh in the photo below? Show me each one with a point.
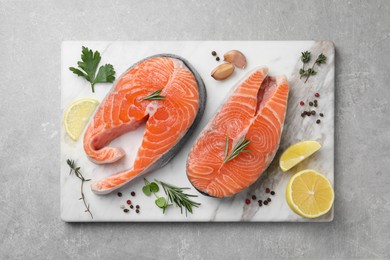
(169, 121)
(254, 112)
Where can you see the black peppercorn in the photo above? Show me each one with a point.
(213, 53)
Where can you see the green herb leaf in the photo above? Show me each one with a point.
(321, 59)
(306, 56)
(146, 190)
(154, 187)
(161, 202)
(237, 149)
(88, 66)
(155, 95)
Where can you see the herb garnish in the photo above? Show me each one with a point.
(155, 95)
(89, 64)
(76, 170)
(179, 198)
(305, 58)
(152, 187)
(175, 195)
(237, 149)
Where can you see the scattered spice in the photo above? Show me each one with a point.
(126, 210)
(253, 197)
(213, 53)
(318, 121)
(303, 114)
(247, 201)
(321, 115)
(137, 207)
(267, 190)
(217, 59)
(119, 194)
(302, 103)
(131, 206)
(317, 94)
(269, 199)
(265, 202)
(313, 112)
(128, 202)
(310, 103)
(132, 193)
(137, 211)
(272, 193)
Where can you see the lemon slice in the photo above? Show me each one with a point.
(309, 194)
(297, 153)
(76, 116)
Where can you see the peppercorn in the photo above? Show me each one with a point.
(310, 103)
(302, 103)
(217, 58)
(269, 199)
(247, 202)
(313, 112)
(253, 197)
(128, 202)
(317, 94)
(213, 53)
(272, 193)
(119, 194)
(137, 207)
(318, 121)
(321, 115)
(315, 105)
(132, 193)
(267, 190)
(131, 206)
(265, 202)
(260, 203)
(126, 210)
(137, 211)
(303, 114)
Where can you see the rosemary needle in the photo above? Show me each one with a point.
(237, 149)
(155, 95)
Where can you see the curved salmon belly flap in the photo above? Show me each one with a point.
(169, 122)
(255, 111)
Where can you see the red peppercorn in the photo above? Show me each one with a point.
(247, 201)
(317, 94)
(302, 103)
(128, 202)
(267, 190)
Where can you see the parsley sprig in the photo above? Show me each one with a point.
(77, 173)
(305, 58)
(88, 65)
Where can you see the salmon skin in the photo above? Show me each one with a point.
(255, 112)
(169, 121)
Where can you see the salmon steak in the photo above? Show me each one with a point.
(165, 93)
(242, 138)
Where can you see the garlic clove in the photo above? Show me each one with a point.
(223, 71)
(235, 57)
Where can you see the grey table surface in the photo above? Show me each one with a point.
(31, 33)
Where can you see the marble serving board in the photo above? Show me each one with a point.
(282, 57)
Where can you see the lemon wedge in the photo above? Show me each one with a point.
(76, 116)
(309, 194)
(296, 153)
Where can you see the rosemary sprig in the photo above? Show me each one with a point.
(77, 173)
(155, 95)
(237, 149)
(321, 59)
(177, 196)
(305, 58)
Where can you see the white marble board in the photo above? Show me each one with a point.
(282, 57)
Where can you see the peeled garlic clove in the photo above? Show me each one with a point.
(235, 57)
(223, 71)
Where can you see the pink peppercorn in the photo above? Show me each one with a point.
(317, 94)
(247, 201)
(302, 103)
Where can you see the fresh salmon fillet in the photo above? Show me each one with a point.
(169, 122)
(255, 112)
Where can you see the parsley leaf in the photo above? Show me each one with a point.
(88, 65)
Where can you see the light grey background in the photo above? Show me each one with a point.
(30, 36)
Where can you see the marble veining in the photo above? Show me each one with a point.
(280, 57)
